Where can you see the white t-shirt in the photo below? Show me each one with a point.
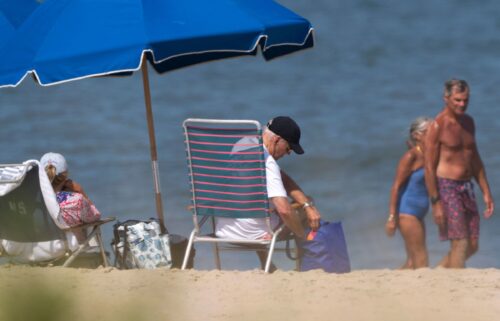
(254, 228)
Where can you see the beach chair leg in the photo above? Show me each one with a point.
(217, 256)
(270, 254)
(216, 247)
(73, 256)
(188, 250)
(101, 246)
(297, 255)
(84, 245)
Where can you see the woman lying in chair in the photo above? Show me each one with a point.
(76, 207)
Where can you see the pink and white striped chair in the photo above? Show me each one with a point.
(227, 176)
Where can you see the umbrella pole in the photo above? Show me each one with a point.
(152, 144)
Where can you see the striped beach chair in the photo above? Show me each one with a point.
(227, 178)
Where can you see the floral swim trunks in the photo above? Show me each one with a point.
(460, 209)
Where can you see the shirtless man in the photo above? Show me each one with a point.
(452, 161)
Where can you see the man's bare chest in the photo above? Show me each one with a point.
(457, 137)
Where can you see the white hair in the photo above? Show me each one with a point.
(419, 125)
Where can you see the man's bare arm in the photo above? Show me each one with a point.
(431, 158)
(295, 192)
(287, 214)
(431, 161)
(481, 179)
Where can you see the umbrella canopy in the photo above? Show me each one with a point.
(65, 40)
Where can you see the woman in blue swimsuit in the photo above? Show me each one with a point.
(409, 200)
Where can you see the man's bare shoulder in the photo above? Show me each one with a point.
(441, 119)
(436, 124)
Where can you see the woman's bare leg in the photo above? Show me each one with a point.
(413, 231)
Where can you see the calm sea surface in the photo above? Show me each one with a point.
(376, 66)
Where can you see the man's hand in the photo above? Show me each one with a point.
(313, 217)
(437, 212)
(490, 206)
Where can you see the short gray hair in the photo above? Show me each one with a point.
(458, 85)
(419, 125)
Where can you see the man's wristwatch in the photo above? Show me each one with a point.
(435, 199)
(306, 205)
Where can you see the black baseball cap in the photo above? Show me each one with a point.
(287, 128)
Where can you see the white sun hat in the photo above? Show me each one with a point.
(55, 159)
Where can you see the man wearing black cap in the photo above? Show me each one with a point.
(286, 128)
(281, 136)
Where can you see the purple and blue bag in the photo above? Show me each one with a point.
(327, 251)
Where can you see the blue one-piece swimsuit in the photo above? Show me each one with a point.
(413, 198)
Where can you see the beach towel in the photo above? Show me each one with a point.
(14, 175)
(76, 209)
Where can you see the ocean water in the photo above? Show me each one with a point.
(376, 66)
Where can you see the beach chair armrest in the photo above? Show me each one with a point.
(96, 223)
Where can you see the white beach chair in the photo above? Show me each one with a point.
(30, 228)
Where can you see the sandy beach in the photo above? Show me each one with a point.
(33, 293)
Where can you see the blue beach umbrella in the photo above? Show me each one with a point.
(56, 41)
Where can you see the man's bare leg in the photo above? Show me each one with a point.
(473, 247)
(445, 261)
(457, 255)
